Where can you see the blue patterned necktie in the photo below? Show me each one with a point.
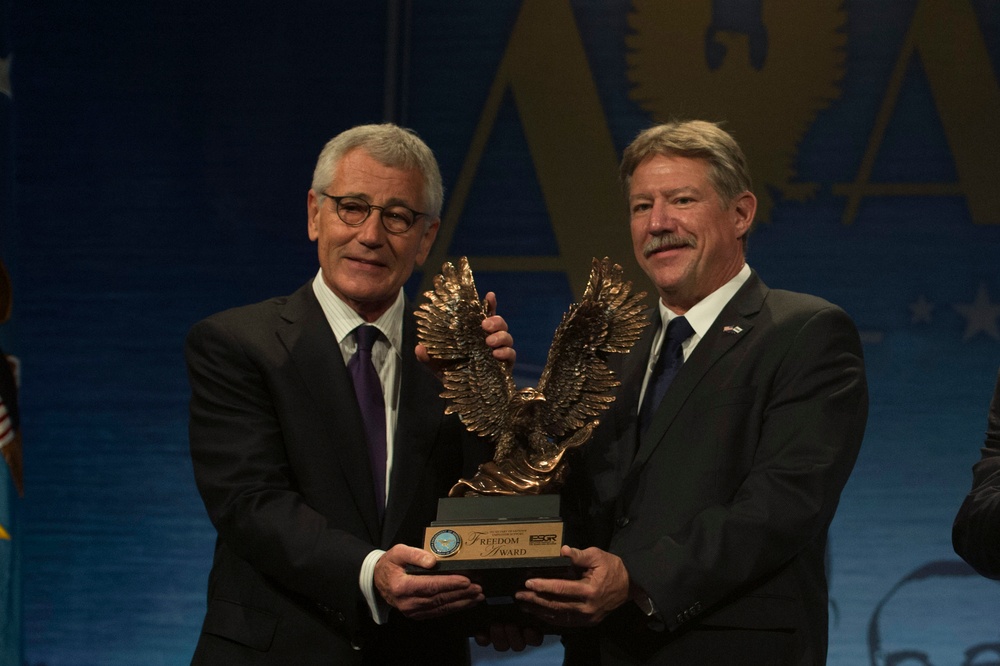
(368, 390)
(670, 361)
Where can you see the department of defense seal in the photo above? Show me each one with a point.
(445, 543)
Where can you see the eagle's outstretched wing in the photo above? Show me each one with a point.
(478, 387)
(576, 382)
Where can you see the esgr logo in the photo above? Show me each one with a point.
(541, 539)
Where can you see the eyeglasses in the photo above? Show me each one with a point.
(353, 211)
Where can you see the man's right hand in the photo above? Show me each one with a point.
(422, 597)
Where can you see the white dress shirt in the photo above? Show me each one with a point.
(701, 317)
(386, 357)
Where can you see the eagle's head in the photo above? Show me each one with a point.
(527, 401)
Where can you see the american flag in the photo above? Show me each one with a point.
(6, 426)
(10, 439)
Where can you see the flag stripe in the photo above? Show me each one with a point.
(6, 427)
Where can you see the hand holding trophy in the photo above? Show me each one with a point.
(502, 526)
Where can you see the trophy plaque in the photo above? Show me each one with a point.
(503, 525)
(498, 541)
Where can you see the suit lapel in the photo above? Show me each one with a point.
(313, 350)
(625, 409)
(634, 370)
(417, 425)
(733, 325)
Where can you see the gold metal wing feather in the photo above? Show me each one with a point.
(577, 383)
(478, 387)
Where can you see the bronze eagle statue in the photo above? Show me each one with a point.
(532, 427)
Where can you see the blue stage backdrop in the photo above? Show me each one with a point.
(157, 161)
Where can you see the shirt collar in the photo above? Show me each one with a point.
(703, 314)
(343, 319)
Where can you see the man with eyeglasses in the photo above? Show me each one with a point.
(320, 502)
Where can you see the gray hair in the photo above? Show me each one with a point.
(392, 146)
(728, 170)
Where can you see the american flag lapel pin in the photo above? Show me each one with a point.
(732, 330)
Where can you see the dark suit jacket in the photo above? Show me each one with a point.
(721, 513)
(280, 460)
(976, 532)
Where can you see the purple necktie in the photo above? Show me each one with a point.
(670, 361)
(368, 390)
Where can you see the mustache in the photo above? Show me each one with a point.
(667, 241)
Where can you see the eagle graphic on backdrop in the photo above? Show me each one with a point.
(764, 68)
(532, 427)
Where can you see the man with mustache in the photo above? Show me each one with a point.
(706, 495)
(320, 443)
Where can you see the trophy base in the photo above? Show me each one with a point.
(500, 579)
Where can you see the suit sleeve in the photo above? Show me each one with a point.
(247, 482)
(976, 532)
(813, 412)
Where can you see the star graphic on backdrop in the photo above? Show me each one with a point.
(3, 534)
(980, 315)
(921, 310)
(5, 76)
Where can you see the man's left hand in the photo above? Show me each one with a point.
(498, 338)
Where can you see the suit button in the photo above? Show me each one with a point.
(341, 618)
(622, 521)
